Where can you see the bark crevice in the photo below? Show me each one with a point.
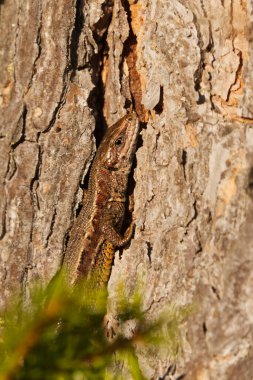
(39, 48)
(75, 37)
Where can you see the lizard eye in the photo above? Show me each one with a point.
(118, 141)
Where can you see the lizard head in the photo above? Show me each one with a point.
(118, 146)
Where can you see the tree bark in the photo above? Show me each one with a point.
(71, 67)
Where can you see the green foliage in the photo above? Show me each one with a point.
(62, 334)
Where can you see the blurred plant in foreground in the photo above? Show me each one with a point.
(62, 334)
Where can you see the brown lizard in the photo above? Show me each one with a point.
(96, 231)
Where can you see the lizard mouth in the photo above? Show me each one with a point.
(132, 131)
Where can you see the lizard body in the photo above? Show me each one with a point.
(96, 231)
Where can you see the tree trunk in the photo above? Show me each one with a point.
(68, 68)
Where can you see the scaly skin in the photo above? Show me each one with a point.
(96, 232)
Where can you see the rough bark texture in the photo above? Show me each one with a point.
(186, 68)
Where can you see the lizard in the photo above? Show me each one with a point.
(96, 232)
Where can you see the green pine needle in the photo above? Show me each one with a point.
(61, 335)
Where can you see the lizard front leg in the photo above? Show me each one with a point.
(114, 237)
